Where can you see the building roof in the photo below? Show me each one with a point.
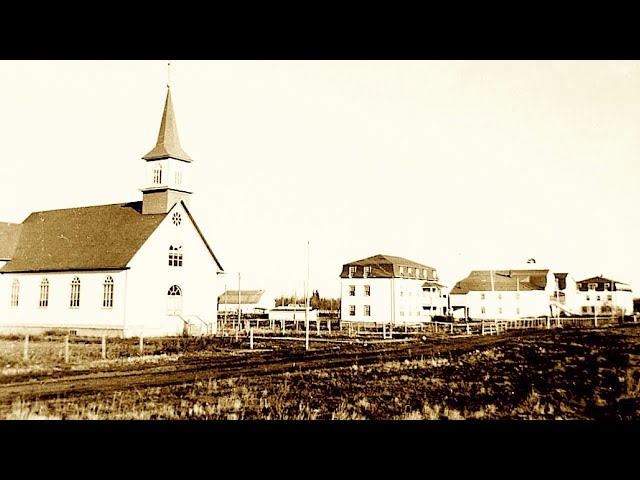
(9, 236)
(600, 279)
(168, 144)
(503, 280)
(102, 237)
(247, 297)
(385, 266)
(85, 238)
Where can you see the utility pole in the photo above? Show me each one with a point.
(239, 311)
(306, 303)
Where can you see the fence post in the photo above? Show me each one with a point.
(451, 331)
(104, 347)
(482, 330)
(467, 328)
(66, 349)
(548, 323)
(251, 338)
(496, 325)
(141, 344)
(25, 352)
(329, 324)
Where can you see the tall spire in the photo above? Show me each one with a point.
(168, 144)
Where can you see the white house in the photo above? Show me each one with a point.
(125, 269)
(253, 302)
(389, 289)
(604, 296)
(512, 294)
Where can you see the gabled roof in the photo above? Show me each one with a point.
(384, 266)
(621, 286)
(86, 238)
(247, 297)
(503, 280)
(200, 233)
(9, 236)
(168, 144)
(598, 279)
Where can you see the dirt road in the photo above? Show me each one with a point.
(262, 361)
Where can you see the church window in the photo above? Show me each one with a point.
(44, 293)
(15, 292)
(175, 256)
(75, 293)
(107, 292)
(176, 219)
(157, 174)
(178, 177)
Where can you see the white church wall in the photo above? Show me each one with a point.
(88, 317)
(150, 278)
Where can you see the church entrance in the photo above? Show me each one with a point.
(174, 300)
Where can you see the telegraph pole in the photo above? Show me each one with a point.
(306, 304)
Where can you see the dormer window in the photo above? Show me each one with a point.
(367, 271)
(352, 271)
(592, 286)
(607, 287)
(409, 270)
(401, 270)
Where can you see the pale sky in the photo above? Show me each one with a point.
(458, 165)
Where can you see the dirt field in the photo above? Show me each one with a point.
(534, 374)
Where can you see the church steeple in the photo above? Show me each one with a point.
(166, 167)
(168, 144)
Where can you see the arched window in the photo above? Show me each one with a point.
(174, 290)
(75, 293)
(174, 300)
(175, 256)
(157, 174)
(107, 292)
(44, 293)
(15, 292)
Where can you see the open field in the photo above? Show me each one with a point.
(535, 374)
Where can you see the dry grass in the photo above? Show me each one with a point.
(520, 380)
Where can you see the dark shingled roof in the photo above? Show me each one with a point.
(384, 266)
(246, 297)
(616, 285)
(86, 238)
(9, 235)
(503, 280)
(168, 144)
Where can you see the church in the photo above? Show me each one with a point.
(141, 268)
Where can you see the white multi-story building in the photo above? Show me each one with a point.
(604, 296)
(125, 269)
(512, 294)
(388, 289)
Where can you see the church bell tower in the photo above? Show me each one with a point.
(167, 165)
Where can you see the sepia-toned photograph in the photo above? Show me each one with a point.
(320, 240)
